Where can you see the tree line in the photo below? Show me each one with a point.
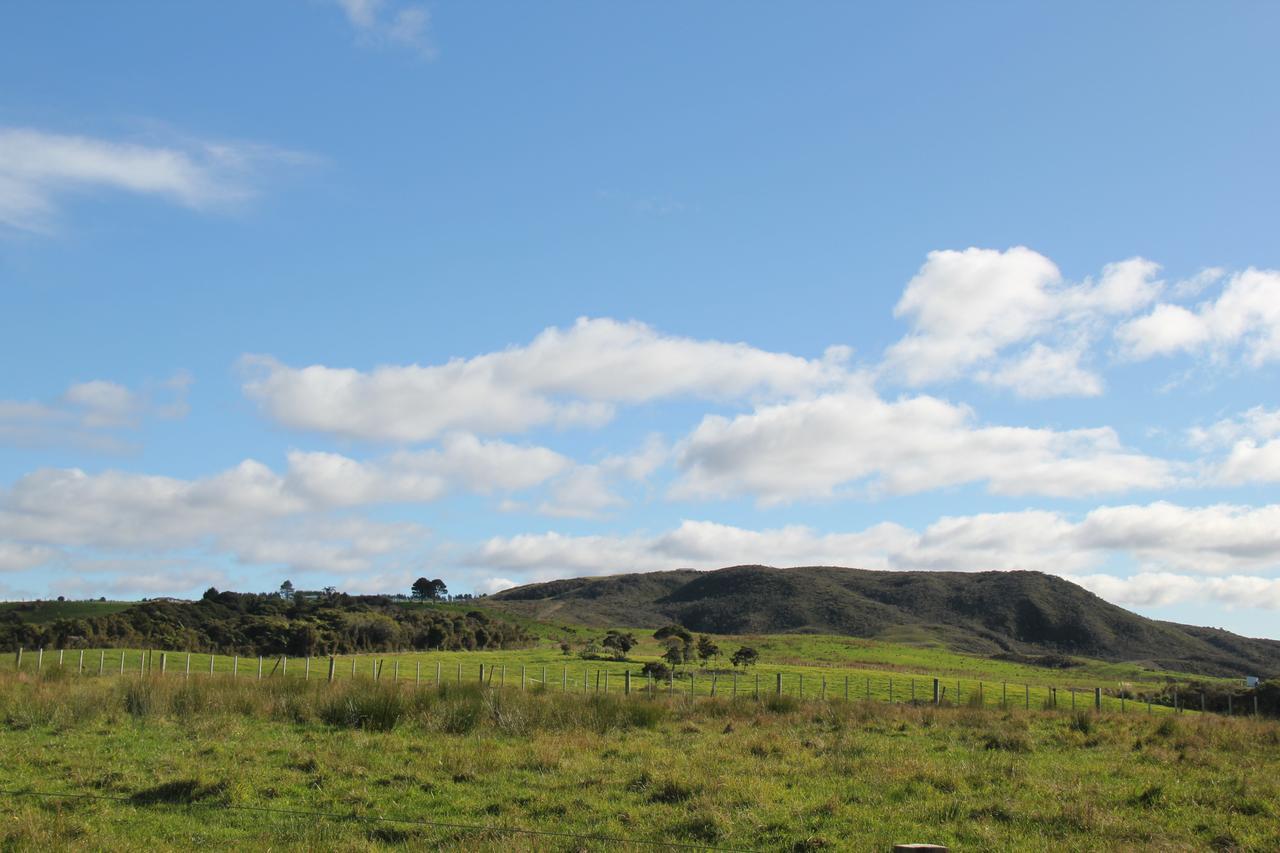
(270, 624)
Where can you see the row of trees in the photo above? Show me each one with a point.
(681, 647)
(267, 624)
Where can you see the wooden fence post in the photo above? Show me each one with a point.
(187, 672)
(757, 687)
(459, 673)
(868, 688)
(60, 652)
(1255, 701)
(779, 684)
(332, 663)
(17, 666)
(235, 665)
(1097, 698)
(626, 683)
(417, 672)
(890, 691)
(1201, 701)
(713, 684)
(259, 667)
(564, 679)
(39, 658)
(122, 661)
(522, 678)
(801, 687)
(937, 695)
(691, 686)
(80, 667)
(395, 670)
(284, 665)
(1230, 706)
(102, 661)
(1027, 699)
(913, 691)
(164, 659)
(735, 684)
(437, 673)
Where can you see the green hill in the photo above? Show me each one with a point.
(982, 612)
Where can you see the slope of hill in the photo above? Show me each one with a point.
(983, 612)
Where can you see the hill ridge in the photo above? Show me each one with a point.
(980, 612)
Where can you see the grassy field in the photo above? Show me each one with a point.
(169, 762)
(858, 669)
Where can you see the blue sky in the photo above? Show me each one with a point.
(352, 292)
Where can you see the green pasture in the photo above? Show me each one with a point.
(546, 668)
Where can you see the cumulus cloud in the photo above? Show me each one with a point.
(968, 308)
(1244, 318)
(88, 415)
(815, 447)
(1234, 546)
(38, 169)
(564, 376)
(252, 513)
(1253, 439)
(380, 22)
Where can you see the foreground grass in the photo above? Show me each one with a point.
(188, 761)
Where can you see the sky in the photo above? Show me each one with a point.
(349, 292)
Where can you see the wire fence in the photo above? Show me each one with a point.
(627, 678)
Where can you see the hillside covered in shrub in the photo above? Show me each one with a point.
(985, 613)
(267, 624)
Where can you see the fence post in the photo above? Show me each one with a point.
(284, 665)
(1175, 700)
(60, 651)
(81, 665)
(913, 691)
(1230, 706)
(691, 677)
(1201, 701)
(779, 684)
(937, 695)
(757, 687)
(735, 684)
(564, 680)
(1004, 696)
(459, 673)
(18, 664)
(164, 659)
(102, 661)
(39, 658)
(437, 673)
(235, 665)
(626, 683)
(417, 672)
(1097, 698)
(606, 682)
(502, 681)
(671, 683)
(395, 671)
(801, 688)
(544, 679)
(1073, 697)
(521, 678)
(1255, 701)
(482, 673)
(868, 688)
(122, 661)
(846, 688)
(259, 667)
(890, 691)
(187, 672)
(332, 663)
(957, 691)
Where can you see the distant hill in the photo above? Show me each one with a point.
(981, 612)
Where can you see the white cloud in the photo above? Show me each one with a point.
(88, 414)
(1162, 589)
(38, 168)
(573, 375)
(815, 447)
(1044, 372)
(967, 308)
(377, 21)
(462, 461)
(17, 556)
(252, 513)
(1245, 316)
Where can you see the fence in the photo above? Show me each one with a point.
(625, 678)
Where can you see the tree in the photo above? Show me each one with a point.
(707, 648)
(676, 632)
(286, 589)
(425, 590)
(619, 642)
(674, 654)
(744, 657)
(657, 670)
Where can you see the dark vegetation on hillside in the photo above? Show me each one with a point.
(268, 624)
(991, 613)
